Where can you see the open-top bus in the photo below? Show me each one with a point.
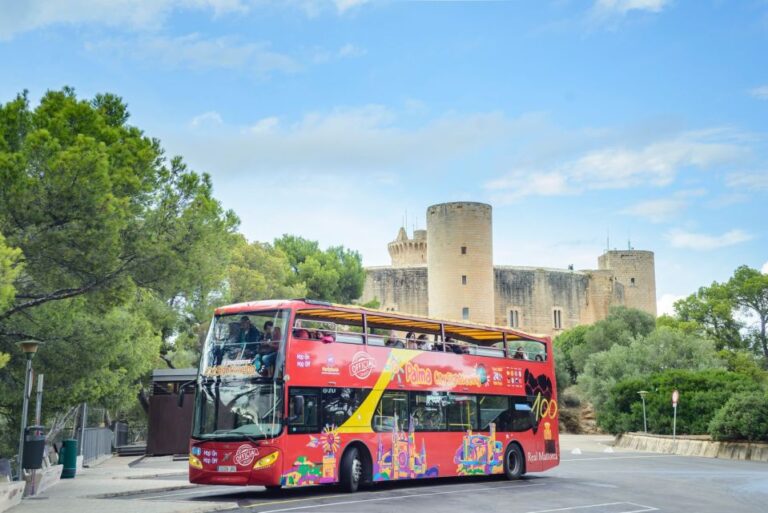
(301, 392)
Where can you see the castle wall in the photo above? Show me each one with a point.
(537, 293)
(603, 293)
(636, 271)
(449, 267)
(460, 261)
(399, 289)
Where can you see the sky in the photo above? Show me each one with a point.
(585, 124)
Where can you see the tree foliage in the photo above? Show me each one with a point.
(663, 349)
(743, 417)
(621, 327)
(119, 245)
(335, 274)
(261, 271)
(749, 291)
(702, 394)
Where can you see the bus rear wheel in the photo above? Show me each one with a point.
(514, 463)
(351, 470)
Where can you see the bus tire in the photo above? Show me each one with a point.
(351, 470)
(514, 462)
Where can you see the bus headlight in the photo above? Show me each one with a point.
(195, 462)
(266, 461)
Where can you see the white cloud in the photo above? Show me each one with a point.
(704, 242)
(764, 269)
(658, 210)
(356, 140)
(207, 119)
(663, 209)
(25, 15)
(343, 6)
(749, 181)
(18, 17)
(655, 164)
(666, 303)
(347, 51)
(761, 93)
(624, 6)
(193, 51)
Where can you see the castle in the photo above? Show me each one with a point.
(447, 272)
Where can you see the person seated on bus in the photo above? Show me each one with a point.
(460, 348)
(268, 327)
(393, 341)
(301, 333)
(264, 361)
(539, 357)
(243, 340)
(326, 337)
(410, 341)
(519, 353)
(423, 343)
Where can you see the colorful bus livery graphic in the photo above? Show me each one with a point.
(479, 454)
(403, 459)
(333, 394)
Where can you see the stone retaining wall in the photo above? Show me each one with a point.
(694, 446)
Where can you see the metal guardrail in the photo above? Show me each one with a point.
(96, 443)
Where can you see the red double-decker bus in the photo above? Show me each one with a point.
(300, 392)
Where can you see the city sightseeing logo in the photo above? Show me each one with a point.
(245, 455)
(362, 365)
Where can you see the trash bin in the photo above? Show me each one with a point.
(68, 457)
(34, 447)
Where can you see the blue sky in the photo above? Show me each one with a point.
(640, 120)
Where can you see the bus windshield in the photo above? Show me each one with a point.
(237, 409)
(245, 344)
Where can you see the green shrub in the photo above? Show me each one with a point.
(743, 417)
(702, 394)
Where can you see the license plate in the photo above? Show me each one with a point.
(227, 468)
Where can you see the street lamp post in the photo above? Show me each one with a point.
(29, 347)
(643, 393)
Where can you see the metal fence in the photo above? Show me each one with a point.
(96, 443)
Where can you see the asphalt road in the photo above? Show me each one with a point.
(593, 481)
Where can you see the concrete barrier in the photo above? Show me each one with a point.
(700, 446)
(10, 494)
(44, 479)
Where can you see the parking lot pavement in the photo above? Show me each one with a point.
(593, 477)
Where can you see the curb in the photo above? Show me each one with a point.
(137, 492)
(137, 460)
(682, 446)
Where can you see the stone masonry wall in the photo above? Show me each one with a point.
(400, 289)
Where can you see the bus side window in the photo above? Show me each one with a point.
(339, 403)
(427, 410)
(461, 412)
(522, 414)
(303, 410)
(392, 411)
(493, 408)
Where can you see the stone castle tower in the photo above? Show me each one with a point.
(636, 270)
(447, 271)
(460, 263)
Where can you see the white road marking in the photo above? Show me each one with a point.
(408, 496)
(618, 458)
(572, 508)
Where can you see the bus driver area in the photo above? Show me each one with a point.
(356, 396)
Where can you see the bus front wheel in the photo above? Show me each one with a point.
(514, 462)
(351, 470)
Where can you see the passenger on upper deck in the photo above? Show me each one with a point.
(267, 351)
(393, 341)
(242, 340)
(519, 354)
